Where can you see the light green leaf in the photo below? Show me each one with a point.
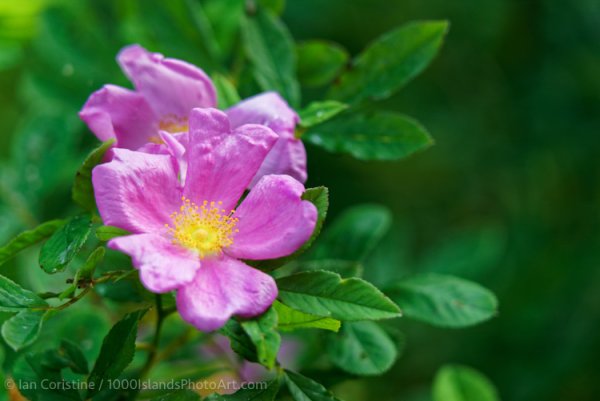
(326, 294)
(442, 300)
(117, 351)
(83, 191)
(87, 270)
(391, 61)
(372, 136)
(362, 348)
(275, 6)
(65, 244)
(291, 319)
(262, 331)
(319, 197)
(320, 62)
(304, 389)
(227, 95)
(354, 234)
(319, 112)
(14, 298)
(23, 329)
(270, 48)
(105, 233)
(462, 383)
(28, 238)
(260, 393)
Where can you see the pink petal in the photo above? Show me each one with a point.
(274, 221)
(222, 288)
(163, 266)
(171, 87)
(115, 112)
(220, 167)
(288, 156)
(137, 191)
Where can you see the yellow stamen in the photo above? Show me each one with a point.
(173, 124)
(206, 229)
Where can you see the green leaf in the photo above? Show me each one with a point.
(462, 383)
(372, 136)
(275, 6)
(320, 62)
(87, 270)
(344, 268)
(262, 331)
(227, 95)
(354, 234)
(23, 329)
(444, 301)
(325, 293)
(83, 191)
(181, 395)
(14, 298)
(290, 319)
(77, 360)
(28, 238)
(270, 48)
(319, 197)
(65, 244)
(267, 393)
(319, 112)
(117, 351)
(362, 348)
(391, 61)
(105, 233)
(239, 340)
(304, 389)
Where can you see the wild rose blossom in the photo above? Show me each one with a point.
(166, 90)
(189, 234)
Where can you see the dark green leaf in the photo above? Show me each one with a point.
(23, 329)
(391, 61)
(344, 268)
(320, 62)
(325, 293)
(65, 244)
(263, 333)
(372, 136)
(227, 95)
(260, 393)
(304, 389)
(83, 191)
(240, 342)
(14, 298)
(319, 112)
(270, 48)
(28, 238)
(362, 348)
(291, 319)
(105, 233)
(319, 197)
(444, 301)
(462, 383)
(354, 234)
(77, 361)
(117, 351)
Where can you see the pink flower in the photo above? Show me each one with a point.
(166, 90)
(189, 234)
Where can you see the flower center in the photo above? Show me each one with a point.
(206, 229)
(173, 124)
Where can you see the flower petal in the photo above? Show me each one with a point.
(115, 112)
(137, 191)
(222, 288)
(171, 87)
(220, 167)
(274, 221)
(288, 156)
(163, 266)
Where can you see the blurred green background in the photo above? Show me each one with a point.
(508, 197)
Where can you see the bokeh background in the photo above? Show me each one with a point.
(509, 196)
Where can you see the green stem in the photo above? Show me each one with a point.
(160, 317)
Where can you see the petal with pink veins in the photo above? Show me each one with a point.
(137, 191)
(163, 265)
(274, 221)
(222, 288)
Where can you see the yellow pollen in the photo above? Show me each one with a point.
(173, 124)
(206, 229)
